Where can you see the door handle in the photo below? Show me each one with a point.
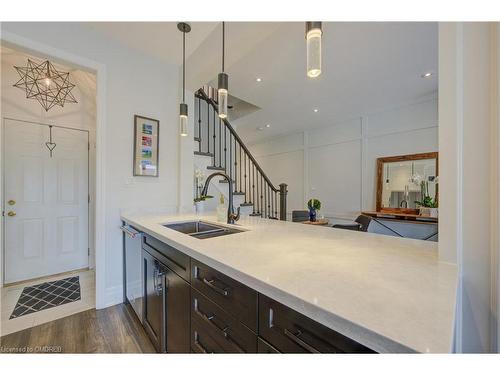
(11, 213)
(210, 319)
(211, 285)
(198, 343)
(295, 338)
(11, 202)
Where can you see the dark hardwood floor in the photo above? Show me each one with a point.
(110, 330)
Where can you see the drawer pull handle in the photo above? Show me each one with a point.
(299, 341)
(210, 284)
(198, 344)
(210, 319)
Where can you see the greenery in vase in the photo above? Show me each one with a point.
(426, 201)
(202, 198)
(314, 204)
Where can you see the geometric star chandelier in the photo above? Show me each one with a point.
(43, 82)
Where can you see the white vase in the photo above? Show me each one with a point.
(433, 212)
(424, 211)
(199, 207)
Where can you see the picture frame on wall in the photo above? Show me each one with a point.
(146, 146)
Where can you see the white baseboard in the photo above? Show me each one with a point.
(113, 296)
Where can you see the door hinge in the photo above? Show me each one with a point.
(88, 198)
(88, 251)
(88, 144)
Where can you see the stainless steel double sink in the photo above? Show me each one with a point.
(201, 229)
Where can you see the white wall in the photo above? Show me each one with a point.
(468, 146)
(135, 84)
(337, 164)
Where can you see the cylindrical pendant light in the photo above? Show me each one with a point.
(223, 82)
(313, 41)
(183, 108)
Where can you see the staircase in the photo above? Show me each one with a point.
(221, 149)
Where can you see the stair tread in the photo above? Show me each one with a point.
(246, 204)
(203, 153)
(197, 139)
(239, 193)
(255, 214)
(216, 168)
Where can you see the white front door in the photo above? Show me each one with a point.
(45, 200)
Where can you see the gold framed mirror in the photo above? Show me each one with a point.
(400, 180)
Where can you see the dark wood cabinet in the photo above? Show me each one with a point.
(266, 348)
(230, 334)
(154, 301)
(191, 307)
(169, 256)
(166, 305)
(201, 341)
(291, 332)
(234, 297)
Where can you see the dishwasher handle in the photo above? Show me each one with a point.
(131, 232)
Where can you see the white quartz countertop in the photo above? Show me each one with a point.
(390, 294)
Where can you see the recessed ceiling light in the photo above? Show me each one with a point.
(268, 125)
(316, 110)
(426, 75)
(259, 79)
(260, 128)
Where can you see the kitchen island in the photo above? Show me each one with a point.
(388, 294)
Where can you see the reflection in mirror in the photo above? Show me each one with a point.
(404, 181)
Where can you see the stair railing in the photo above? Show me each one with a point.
(218, 139)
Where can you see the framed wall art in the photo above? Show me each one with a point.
(146, 137)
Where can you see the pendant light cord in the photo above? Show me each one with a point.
(223, 43)
(183, 66)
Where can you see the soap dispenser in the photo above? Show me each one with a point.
(221, 210)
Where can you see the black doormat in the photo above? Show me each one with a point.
(46, 295)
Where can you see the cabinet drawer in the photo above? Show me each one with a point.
(171, 257)
(291, 332)
(264, 347)
(201, 341)
(230, 334)
(232, 296)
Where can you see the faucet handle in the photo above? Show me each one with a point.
(237, 216)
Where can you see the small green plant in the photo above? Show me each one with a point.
(426, 201)
(314, 204)
(202, 198)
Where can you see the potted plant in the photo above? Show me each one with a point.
(313, 205)
(199, 203)
(199, 199)
(428, 206)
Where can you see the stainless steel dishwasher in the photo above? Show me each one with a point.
(133, 277)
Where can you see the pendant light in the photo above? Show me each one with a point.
(313, 42)
(183, 108)
(223, 83)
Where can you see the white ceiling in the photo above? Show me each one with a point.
(159, 39)
(367, 67)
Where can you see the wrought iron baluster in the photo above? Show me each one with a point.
(262, 199)
(220, 143)
(252, 178)
(276, 204)
(244, 173)
(241, 180)
(208, 127)
(225, 149)
(236, 167)
(215, 154)
(199, 125)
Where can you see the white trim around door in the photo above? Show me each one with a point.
(100, 202)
